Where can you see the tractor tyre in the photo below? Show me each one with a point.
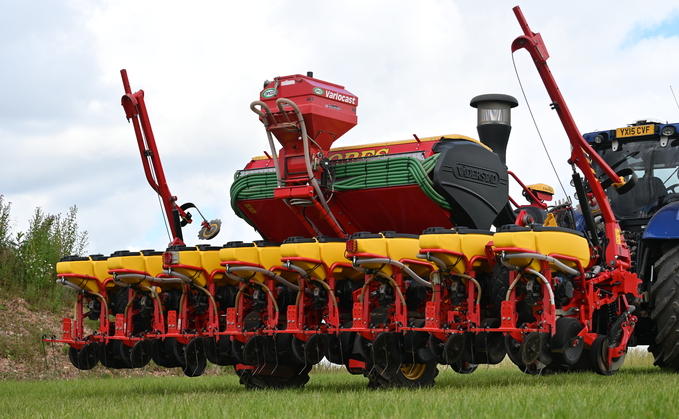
(407, 376)
(665, 294)
(251, 381)
(297, 379)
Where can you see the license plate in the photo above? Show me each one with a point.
(635, 131)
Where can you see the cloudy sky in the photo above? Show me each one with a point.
(414, 65)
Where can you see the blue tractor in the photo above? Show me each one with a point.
(647, 154)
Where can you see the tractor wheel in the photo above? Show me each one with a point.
(407, 376)
(251, 381)
(297, 377)
(665, 294)
(417, 375)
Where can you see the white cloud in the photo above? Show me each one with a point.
(414, 66)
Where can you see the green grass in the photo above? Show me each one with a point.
(638, 390)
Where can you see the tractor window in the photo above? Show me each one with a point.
(656, 167)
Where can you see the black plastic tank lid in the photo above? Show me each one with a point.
(151, 252)
(539, 227)
(124, 253)
(395, 235)
(466, 230)
(438, 230)
(73, 258)
(299, 239)
(326, 239)
(365, 235)
(204, 247)
(233, 244)
(181, 248)
(263, 243)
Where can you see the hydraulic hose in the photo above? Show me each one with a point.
(538, 256)
(265, 114)
(64, 282)
(307, 159)
(442, 265)
(266, 272)
(351, 175)
(399, 265)
(545, 283)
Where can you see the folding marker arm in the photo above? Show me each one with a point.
(582, 153)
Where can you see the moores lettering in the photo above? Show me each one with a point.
(476, 174)
(358, 154)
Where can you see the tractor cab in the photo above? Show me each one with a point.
(645, 150)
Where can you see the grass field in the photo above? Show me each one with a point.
(639, 390)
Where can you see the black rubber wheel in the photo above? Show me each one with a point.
(141, 354)
(489, 347)
(417, 375)
(513, 348)
(536, 368)
(436, 346)
(88, 357)
(120, 354)
(110, 356)
(312, 351)
(406, 376)
(219, 352)
(195, 360)
(454, 348)
(339, 347)
(386, 355)
(665, 294)
(251, 381)
(237, 348)
(599, 357)
(74, 357)
(464, 367)
(254, 351)
(287, 377)
(567, 347)
(162, 356)
(175, 348)
(296, 379)
(530, 348)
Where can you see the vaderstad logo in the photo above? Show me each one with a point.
(268, 93)
(476, 174)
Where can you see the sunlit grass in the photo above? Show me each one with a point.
(638, 390)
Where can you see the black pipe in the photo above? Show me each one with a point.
(586, 210)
